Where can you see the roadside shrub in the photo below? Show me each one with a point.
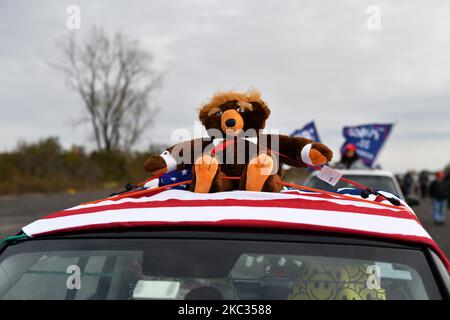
(44, 166)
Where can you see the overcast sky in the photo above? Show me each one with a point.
(312, 60)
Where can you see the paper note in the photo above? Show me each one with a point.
(329, 175)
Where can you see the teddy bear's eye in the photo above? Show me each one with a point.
(219, 113)
(240, 110)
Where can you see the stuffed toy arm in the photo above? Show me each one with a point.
(316, 154)
(301, 152)
(176, 157)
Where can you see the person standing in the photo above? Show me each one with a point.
(408, 183)
(439, 196)
(446, 187)
(423, 181)
(350, 159)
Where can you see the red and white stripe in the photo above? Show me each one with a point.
(287, 210)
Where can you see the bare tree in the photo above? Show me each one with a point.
(115, 79)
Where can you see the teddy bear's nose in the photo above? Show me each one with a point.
(230, 122)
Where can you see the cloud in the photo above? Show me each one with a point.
(311, 60)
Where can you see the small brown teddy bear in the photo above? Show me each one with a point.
(236, 148)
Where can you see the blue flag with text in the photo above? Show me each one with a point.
(368, 140)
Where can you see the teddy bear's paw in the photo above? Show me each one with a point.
(258, 170)
(205, 168)
(316, 154)
(163, 163)
(324, 151)
(155, 165)
(317, 158)
(263, 162)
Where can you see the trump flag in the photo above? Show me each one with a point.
(368, 140)
(309, 131)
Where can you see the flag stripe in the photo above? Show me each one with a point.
(253, 196)
(218, 204)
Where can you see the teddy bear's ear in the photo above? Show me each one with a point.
(256, 119)
(261, 109)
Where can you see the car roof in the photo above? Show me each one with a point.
(242, 234)
(289, 210)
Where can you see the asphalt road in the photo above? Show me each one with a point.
(441, 233)
(17, 211)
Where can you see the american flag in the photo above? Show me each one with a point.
(176, 176)
(172, 177)
(293, 210)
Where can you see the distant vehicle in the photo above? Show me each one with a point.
(380, 180)
(177, 244)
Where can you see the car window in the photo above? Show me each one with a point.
(211, 269)
(331, 278)
(379, 183)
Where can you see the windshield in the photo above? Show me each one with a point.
(379, 183)
(211, 269)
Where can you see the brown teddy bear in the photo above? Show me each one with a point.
(236, 147)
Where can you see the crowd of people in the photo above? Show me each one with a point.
(436, 188)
